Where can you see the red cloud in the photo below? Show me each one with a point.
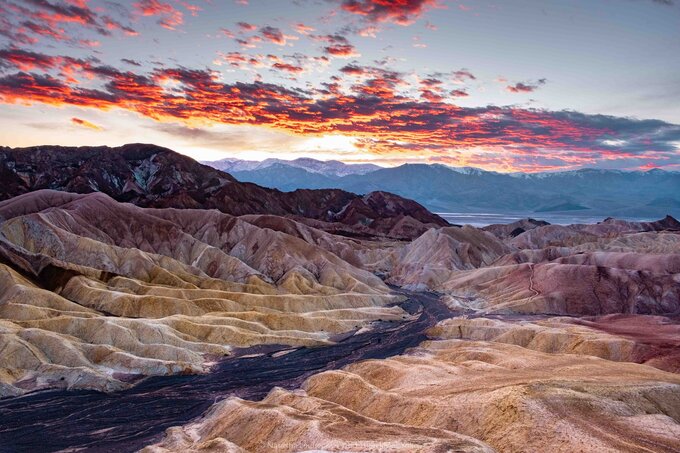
(240, 60)
(58, 34)
(274, 35)
(27, 60)
(288, 68)
(170, 17)
(385, 121)
(89, 43)
(303, 29)
(338, 46)
(402, 12)
(342, 50)
(33, 19)
(525, 87)
(245, 26)
(112, 24)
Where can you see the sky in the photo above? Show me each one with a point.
(511, 85)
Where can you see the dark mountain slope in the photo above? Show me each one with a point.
(152, 176)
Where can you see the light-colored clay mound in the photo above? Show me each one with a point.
(293, 421)
(220, 245)
(635, 272)
(573, 289)
(574, 235)
(647, 242)
(95, 291)
(486, 395)
(437, 255)
(658, 337)
(652, 340)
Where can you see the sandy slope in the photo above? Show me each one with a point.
(94, 291)
(522, 379)
(504, 387)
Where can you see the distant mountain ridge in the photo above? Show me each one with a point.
(440, 188)
(329, 168)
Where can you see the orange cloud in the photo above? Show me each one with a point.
(86, 124)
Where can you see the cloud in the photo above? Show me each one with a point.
(228, 33)
(193, 9)
(169, 16)
(89, 42)
(249, 42)
(56, 12)
(303, 29)
(26, 60)
(525, 87)
(113, 24)
(266, 33)
(245, 26)
(337, 46)
(131, 62)
(457, 77)
(32, 20)
(86, 124)
(238, 60)
(275, 35)
(402, 12)
(373, 109)
(462, 75)
(288, 68)
(342, 51)
(291, 64)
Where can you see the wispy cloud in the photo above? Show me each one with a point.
(86, 124)
(525, 87)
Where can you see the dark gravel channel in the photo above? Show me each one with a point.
(128, 420)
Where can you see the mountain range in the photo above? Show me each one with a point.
(330, 168)
(441, 188)
(153, 176)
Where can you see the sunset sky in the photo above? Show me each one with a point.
(511, 85)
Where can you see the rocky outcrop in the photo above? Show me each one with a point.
(511, 230)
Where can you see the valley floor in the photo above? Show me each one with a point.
(130, 419)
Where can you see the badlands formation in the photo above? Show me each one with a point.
(555, 338)
(95, 292)
(567, 347)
